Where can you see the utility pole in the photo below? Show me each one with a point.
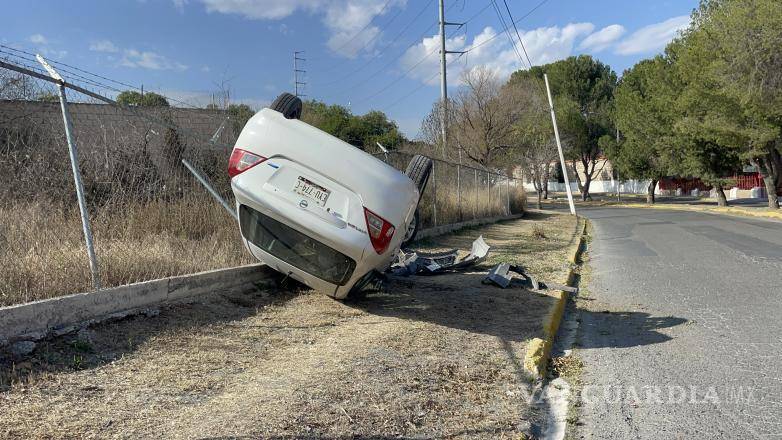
(444, 76)
(297, 71)
(559, 147)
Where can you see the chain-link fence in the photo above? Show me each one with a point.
(148, 215)
(457, 193)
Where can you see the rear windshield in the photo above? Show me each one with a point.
(295, 248)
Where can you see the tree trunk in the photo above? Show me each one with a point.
(650, 192)
(771, 191)
(585, 189)
(769, 168)
(546, 176)
(721, 199)
(540, 202)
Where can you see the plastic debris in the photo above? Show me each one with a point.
(501, 276)
(420, 263)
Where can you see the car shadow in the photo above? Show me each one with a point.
(622, 329)
(461, 301)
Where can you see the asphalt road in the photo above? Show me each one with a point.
(681, 335)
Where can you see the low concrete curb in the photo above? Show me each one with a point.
(61, 315)
(539, 350)
(447, 229)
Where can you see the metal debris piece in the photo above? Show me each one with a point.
(502, 277)
(499, 275)
(413, 263)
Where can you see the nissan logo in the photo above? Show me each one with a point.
(303, 204)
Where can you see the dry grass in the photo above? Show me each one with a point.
(43, 255)
(430, 357)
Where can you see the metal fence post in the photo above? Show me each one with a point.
(507, 194)
(459, 189)
(488, 195)
(475, 208)
(434, 195)
(73, 153)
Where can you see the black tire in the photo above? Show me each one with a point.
(287, 104)
(418, 170)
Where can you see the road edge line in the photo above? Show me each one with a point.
(538, 351)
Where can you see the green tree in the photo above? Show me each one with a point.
(360, 131)
(48, 97)
(239, 114)
(588, 86)
(729, 61)
(149, 99)
(645, 117)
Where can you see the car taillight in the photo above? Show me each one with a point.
(380, 231)
(242, 161)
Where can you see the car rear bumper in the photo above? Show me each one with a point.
(367, 260)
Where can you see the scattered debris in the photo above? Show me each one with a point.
(502, 277)
(414, 263)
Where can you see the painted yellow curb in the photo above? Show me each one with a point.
(539, 350)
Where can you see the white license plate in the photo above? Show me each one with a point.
(308, 188)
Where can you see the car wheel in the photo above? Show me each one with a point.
(412, 230)
(289, 105)
(418, 170)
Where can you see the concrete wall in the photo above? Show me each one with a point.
(38, 319)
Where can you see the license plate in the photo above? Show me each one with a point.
(308, 188)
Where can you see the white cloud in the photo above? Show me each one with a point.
(348, 21)
(602, 39)
(44, 47)
(180, 4)
(103, 46)
(652, 38)
(544, 45)
(38, 39)
(149, 60)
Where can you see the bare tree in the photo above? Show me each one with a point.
(532, 141)
(482, 116)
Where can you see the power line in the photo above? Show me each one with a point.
(381, 51)
(69, 72)
(518, 34)
(475, 46)
(404, 51)
(350, 40)
(507, 31)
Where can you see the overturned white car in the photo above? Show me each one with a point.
(316, 208)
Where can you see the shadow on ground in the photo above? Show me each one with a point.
(623, 329)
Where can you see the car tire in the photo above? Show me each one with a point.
(412, 230)
(418, 170)
(289, 105)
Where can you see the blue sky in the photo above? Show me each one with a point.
(371, 54)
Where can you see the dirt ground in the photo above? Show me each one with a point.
(429, 357)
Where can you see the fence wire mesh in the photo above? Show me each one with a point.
(150, 218)
(458, 193)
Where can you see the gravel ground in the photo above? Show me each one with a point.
(430, 357)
